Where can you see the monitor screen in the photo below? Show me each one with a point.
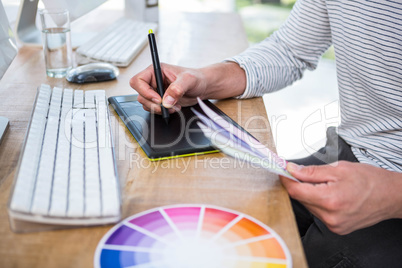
(27, 32)
(77, 8)
(8, 49)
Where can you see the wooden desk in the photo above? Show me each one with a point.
(191, 40)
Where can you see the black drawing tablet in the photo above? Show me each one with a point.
(181, 137)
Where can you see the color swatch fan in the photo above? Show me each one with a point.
(191, 236)
(237, 143)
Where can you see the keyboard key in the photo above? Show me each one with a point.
(119, 43)
(44, 178)
(67, 171)
(28, 168)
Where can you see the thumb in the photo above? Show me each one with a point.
(176, 90)
(312, 174)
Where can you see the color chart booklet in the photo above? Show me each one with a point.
(238, 144)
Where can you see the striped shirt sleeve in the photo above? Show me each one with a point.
(280, 59)
(367, 37)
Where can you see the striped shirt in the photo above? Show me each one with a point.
(367, 37)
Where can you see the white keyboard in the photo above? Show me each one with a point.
(119, 43)
(67, 173)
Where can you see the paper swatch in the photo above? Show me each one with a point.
(239, 144)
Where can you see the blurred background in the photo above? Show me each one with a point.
(298, 114)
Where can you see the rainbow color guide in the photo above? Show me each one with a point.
(191, 236)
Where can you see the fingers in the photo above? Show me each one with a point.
(305, 192)
(144, 83)
(312, 174)
(315, 181)
(178, 82)
(178, 88)
(155, 108)
(320, 185)
(148, 105)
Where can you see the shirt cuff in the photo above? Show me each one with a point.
(249, 80)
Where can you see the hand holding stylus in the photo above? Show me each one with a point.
(158, 72)
(184, 85)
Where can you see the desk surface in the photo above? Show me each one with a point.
(192, 40)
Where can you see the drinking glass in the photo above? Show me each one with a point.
(56, 38)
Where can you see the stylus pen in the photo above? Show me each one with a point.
(158, 73)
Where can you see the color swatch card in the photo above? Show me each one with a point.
(191, 236)
(237, 143)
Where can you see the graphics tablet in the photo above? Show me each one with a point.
(181, 137)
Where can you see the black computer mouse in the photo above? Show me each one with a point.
(92, 72)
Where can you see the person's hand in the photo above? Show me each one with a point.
(183, 86)
(347, 196)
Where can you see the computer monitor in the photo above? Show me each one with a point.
(27, 32)
(8, 50)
